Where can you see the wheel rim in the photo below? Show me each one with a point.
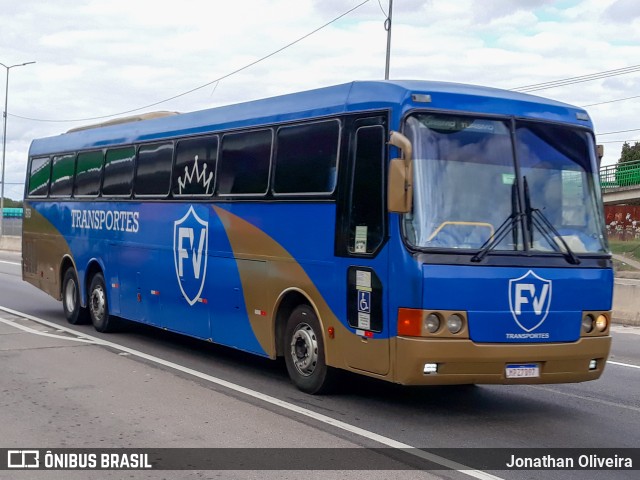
(98, 303)
(304, 349)
(70, 295)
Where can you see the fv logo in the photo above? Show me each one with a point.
(529, 300)
(190, 249)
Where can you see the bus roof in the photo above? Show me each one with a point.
(350, 97)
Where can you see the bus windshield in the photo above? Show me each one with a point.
(466, 185)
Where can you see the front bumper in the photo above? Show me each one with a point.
(466, 362)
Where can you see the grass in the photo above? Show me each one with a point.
(630, 248)
(619, 266)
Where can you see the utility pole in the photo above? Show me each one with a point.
(387, 27)
(4, 139)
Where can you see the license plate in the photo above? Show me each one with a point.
(529, 370)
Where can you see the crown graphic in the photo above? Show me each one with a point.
(200, 177)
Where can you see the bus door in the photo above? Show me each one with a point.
(361, 240)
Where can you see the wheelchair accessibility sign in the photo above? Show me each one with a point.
(364, 309)
(364, 301)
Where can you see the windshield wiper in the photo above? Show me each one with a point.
(509, 225)
(536, 218)
(503, 230)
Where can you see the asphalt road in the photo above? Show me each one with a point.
(54, 394)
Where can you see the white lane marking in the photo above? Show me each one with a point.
(623, 364)
(274, 401)
(582, 397)
(44, 334)
(591, 399)
(10, 263)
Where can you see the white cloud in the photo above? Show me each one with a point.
(622, 11)
(496, 9)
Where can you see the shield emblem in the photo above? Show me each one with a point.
(190, 252)
(529, 300)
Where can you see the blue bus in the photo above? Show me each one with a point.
(416, 232)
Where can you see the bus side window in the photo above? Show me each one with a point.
(39, 177)
(307, 158)
(62, 172)
(88, 174)
(195, 169)
(367, 213)
(118, 172)
(245, 161)
(153, 170)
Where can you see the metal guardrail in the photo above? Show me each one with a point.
(12, 227)
(620, 175)
(12, 221)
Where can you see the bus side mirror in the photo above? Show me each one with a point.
(400, 184)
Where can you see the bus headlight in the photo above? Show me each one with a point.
(587, 324)
(601, 323)
(414, 322)
(454, 323)
(431, 323)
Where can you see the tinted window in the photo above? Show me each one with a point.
(245, 162)
(306, 158)
(118, 172)
(88, 174)
(62, 175)
(39, 177)
(153, 172)
(194, 171)
(366, 226)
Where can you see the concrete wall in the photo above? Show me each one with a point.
(12, 243)
(626, 301)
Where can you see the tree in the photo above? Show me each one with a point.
(628, 173)
(630, 153)
(8, 203)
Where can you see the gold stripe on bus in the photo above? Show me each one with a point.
(42, 263)
(263, 287)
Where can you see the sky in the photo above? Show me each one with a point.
(104, 58)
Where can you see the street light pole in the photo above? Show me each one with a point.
(387, 27)
(4, 138)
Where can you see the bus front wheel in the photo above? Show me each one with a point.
(99, 306)
(304, 352)
(76, 314)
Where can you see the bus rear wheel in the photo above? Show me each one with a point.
(99, 305)
(304, 352)
(76, 314)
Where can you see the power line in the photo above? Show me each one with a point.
(621, 141)
(610, 101)
(619, 131)
(580, 79)
(382, 10)
(261, 59)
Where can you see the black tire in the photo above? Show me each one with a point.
(76, 314)
(304, 353)
(99, 305)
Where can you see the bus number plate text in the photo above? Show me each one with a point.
(529, 370)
